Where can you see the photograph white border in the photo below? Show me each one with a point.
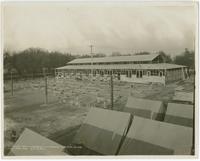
(148, 2)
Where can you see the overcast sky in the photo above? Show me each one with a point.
(126, 27)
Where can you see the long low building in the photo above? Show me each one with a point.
(137, 68)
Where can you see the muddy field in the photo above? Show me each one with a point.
(69, 100)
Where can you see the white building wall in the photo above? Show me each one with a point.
(144, 79)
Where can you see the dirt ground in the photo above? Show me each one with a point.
(69, 101)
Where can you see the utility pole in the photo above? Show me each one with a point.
(55, 74)
(46, 89)
(111, 91)
(11, 77)
(91, 47)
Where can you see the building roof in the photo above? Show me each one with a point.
(164, 135)
(108, 119)
(102, 130)
(180, 110)
(132, 58)
(144, 104)
(123, 66)
(31, 143)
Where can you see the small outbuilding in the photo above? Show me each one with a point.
(33, 144)
(150, 137)
(180, 114)
(151, 109)
(102, 131)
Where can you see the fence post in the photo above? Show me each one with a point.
(46, 88)
(111, 90)
(55, 74)
(11, 77)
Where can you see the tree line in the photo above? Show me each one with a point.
(186, 58)
(33, 60)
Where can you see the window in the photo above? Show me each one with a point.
(118, 76)
(133, 72)
(154, 72)
(139, 74)
(129, 74)
(160, 74)
(123, 72)
(126, 73)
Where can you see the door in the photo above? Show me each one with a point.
(118, 76)
(139, 74)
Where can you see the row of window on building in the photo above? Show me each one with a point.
(140, 73)
(128, 73)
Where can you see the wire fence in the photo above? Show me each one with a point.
(16, 76)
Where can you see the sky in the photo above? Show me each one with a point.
(110, 27)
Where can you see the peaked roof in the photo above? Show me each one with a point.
(124, 66)
(154, 131)
(158, 133)
(145, 104)
(108, 119)
(180, 110)
(103, 130)
(132, 58)
(31, 143)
